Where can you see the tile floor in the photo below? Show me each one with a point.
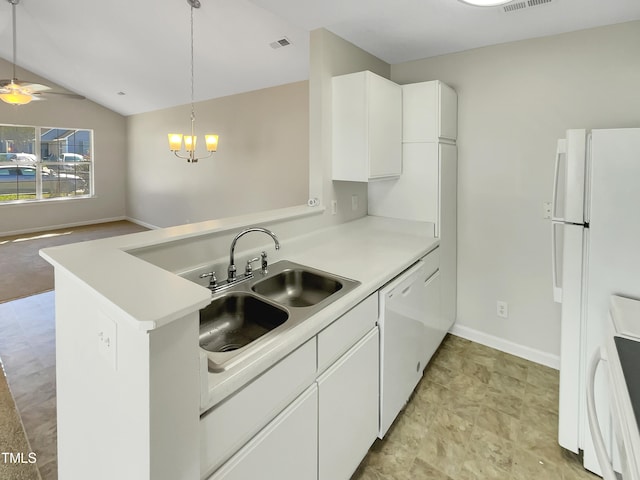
(477, 414)
(27, 350)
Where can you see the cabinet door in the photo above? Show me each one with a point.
(286, 449)
(429, 112)
(420, 112)
(233, 422)
(385, 128)
(435, 327)
(447, 230)
(448, 112)
(366, 127)
(348, 410)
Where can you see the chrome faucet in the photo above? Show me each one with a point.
(231, 271)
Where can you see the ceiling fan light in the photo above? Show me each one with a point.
(486, 3)
(15, 97)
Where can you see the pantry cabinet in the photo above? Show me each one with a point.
(429, 112)
(427, 189)
(366, 127)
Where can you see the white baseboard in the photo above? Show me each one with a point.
(141, 223)
(528, 353)
(62, 225)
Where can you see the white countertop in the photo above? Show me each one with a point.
(372, 250)
(148, 296)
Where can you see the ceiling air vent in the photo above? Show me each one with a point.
(524, 4)
(512, 7)
(283, 42)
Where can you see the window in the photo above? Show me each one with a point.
(44, 163)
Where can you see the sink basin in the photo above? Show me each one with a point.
(297, 287)
(253, 314)
(234, 320)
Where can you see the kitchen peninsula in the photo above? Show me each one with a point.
(132, 380)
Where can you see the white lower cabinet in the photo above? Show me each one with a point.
(235, 421)
(269, 430)
(348, 410)
(286, 449)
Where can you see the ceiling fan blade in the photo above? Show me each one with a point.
(33, 86)
(36, 89)
(73, 96)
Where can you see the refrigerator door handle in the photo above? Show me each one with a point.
(561, 149)
(557, 289)
(596, 433)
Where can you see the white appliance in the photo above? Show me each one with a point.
(621, 350)
(411, 329)
(595, 253)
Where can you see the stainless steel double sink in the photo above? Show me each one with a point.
(255, 311)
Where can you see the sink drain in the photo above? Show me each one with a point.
(229, 347)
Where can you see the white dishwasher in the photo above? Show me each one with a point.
(411, 329)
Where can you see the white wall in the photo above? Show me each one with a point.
(109, 162)
(261, 163)
(515, 100)
(275, 149)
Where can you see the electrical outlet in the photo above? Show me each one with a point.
(502, 309)
(547, 206)
(334, 207)
(354, 202)
(107, 334)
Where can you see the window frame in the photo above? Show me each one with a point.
(58, 166)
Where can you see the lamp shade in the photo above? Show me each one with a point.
(212, 142)
(190, 143)
(175, 142)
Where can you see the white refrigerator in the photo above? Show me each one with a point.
(595, 254)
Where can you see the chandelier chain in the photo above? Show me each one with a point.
(193, 114)
(175, 140)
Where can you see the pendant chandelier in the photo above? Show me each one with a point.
(175, 139)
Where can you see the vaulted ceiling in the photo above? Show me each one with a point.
(104, 49)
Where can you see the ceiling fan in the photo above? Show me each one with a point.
(17, 92)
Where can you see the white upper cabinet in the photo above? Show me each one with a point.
(429, 112)
(367, 127)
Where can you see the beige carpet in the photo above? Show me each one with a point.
(13, 439)
(24, 272)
